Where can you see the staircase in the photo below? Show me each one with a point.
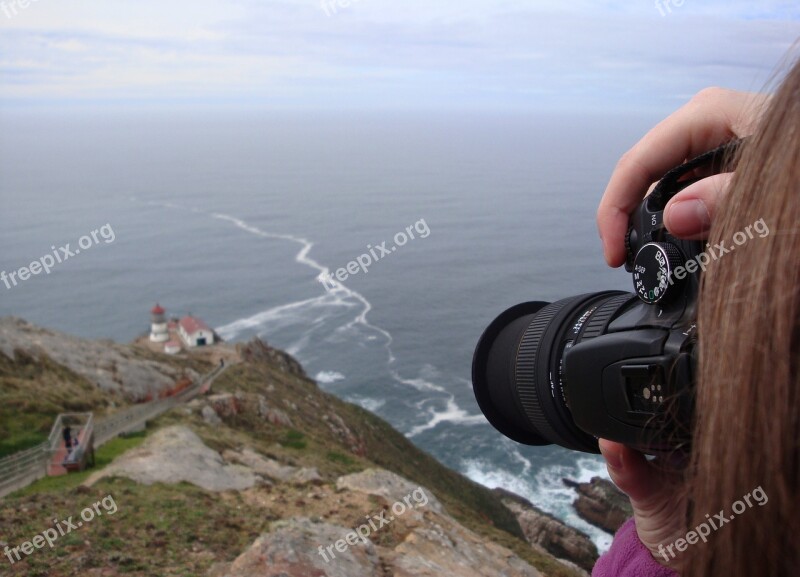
(64, 461)
(51, 457)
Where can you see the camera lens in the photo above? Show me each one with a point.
(517, 369)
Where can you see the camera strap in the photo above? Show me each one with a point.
(720, 159)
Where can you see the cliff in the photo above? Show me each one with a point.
(266, 475)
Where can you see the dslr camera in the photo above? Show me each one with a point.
(611, 364)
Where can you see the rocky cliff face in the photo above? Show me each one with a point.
(267, 475)
(406, 532)
(600, 503)
(112, 367)
(257, 351)
(552, 535)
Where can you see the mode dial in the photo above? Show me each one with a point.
(654, 272)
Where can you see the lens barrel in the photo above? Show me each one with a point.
(517, 368)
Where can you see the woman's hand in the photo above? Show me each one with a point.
(713, 117)
(657, 498)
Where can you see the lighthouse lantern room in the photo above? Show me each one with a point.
(158, 326)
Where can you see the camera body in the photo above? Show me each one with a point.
(613, 365)
(627, 376)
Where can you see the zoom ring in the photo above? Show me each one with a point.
(527, 389)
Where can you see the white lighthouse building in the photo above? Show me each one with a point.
(158, 325)
(194, 332)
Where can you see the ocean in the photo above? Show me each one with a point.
(232, 216)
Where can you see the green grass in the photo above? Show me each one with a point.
(337, 457)
(21, 434)
(158, 530)
(294, 440)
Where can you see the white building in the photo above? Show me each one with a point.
(172, 347)
(194, 332)
(158, 325)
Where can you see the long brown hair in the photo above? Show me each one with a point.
(747, 429)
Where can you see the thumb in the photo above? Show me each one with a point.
(689, 214)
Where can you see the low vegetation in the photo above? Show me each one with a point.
(182, 530)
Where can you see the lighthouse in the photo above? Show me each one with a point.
(158, 326)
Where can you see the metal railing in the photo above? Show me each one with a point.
(25, 467)
(75, 456)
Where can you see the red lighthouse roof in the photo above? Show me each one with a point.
(157, 310)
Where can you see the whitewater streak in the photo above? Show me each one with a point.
(338, 290)
(339, 295)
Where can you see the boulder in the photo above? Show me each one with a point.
(549, 533)
(266, 467)
(176, 454)
(339, 428)
(210, 416)
(390, 486)
(451, 549)
(258, 351)
(272, 415)
(292, 549)
(600, 503)
(225, 405)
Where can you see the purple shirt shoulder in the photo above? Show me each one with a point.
(627, 557)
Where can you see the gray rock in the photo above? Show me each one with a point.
(257, 351)
(210, 416)
(110, 366)
(196, 403)
(292, 549)
(393, 488)
(263, 405)
(339, 428)
(600, 503)
(306, 476)
(433, 544)
(273, 469)
(278, 417)
(272, 415)
(177, 454)
(224, 404)
(549, 533)
(451, 549)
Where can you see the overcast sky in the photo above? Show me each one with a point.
(491, 55)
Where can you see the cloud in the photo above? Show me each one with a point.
(323, 54)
